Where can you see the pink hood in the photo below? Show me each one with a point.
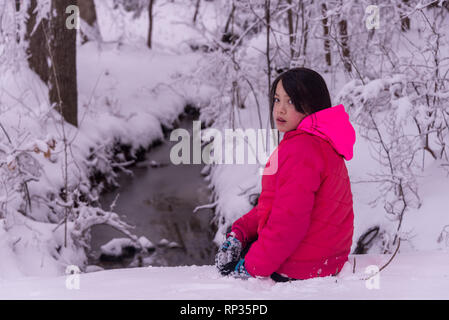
(332, 124)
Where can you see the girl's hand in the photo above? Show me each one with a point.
(228, 255)
(240, 270)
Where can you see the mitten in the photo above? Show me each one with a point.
(228, 255)
(240, 270)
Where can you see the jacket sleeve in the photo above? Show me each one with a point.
(245, 227)
(299, 178)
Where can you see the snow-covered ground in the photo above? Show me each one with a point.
(126, 92)
(423, 275)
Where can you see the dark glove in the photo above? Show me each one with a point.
(228, 255)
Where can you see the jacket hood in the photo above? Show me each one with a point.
(333, 125)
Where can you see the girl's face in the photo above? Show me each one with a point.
(284, 113)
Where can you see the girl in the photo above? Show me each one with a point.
(302, 226)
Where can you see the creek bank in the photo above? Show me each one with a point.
(158, 200)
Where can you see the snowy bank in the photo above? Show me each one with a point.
(113, 113)
(409, 276)
(127, 95)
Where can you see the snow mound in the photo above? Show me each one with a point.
(116, 247)
(146, 244)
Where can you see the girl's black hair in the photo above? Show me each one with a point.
(306, 88)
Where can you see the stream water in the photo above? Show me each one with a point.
(159, 202)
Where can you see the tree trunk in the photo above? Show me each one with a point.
(305, 32)
(327, 45)
(63, 74)
(230, 18)
(37, 50)
(52, 55)
(268, 24)
(290, 29)
(405, 24)
(150, 26)
(343, 30)
(88, 13)
(405, 21)
(299, 57)
(197, 9)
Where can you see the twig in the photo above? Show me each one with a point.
(112, 206)
(206, 206)
(385, 265)
(6, 133)
(353, 267)
(53, 68)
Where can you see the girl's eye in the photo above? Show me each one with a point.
(289, 101)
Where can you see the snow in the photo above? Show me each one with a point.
(421, 275)
(120, 99)
(115, 246)
(126, 92)
(173, 244)
(163, 242)
(145, 243)
(170, 244)
(29, 247)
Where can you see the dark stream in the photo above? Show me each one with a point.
(159, 202)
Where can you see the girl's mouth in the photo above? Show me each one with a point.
(280, 121)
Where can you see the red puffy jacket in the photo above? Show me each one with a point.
(303, 223)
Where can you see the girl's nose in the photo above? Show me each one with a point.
(282, 109)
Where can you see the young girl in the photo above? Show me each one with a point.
(302, 226)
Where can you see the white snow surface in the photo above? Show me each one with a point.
(421, 275)
(116, 99)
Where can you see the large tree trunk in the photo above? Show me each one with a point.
(52, 55)
(89, 29)
(63, 76)
(37, 50)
